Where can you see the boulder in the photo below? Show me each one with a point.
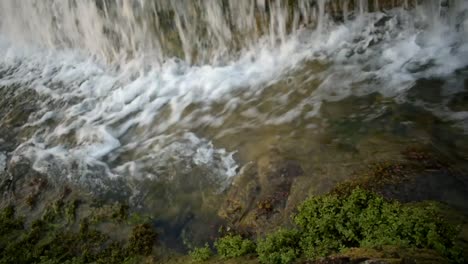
(258, 197)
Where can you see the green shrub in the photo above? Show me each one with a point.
(46, 243)
(232, 246)
(201, 254)
(8, 222)
(280, 247)
(142, 240)
(364, 219)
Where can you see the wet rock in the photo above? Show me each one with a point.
(376, 261)
(459, 102)
(421, 175)
(16, 105)
(427, 90)
(142, 239)
(21, 185)
(362, 260)
(2, 162)
(257, 199)
(335, 7)
(383, 21)
(334, 260)
(388, 255)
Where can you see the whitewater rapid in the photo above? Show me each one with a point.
(110, 113)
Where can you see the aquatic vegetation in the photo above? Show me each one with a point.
(375, 177)
(232, 246)
(417, 162)
(45, 241)
(201, 254)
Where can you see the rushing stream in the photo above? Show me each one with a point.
(165, 100)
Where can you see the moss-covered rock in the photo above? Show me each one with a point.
(257, 199)
(419, 175)
(392, 254)
(142, 240)
(48, 241)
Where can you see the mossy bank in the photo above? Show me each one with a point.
(379, 215)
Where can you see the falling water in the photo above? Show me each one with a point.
(196, 31)
(147, 89)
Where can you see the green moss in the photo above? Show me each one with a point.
(46, 242)
(280, 247)
(383, 174)
(70, 210)
(137, 218)
(363, 219)
(142, 240)
(201, 254)
(395, 254)
(8, 222)
(325, 225)
(121, 213)
(54, 212)
(376, 176)
(31, 200)
(232, 246)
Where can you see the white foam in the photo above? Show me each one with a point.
(125, 117)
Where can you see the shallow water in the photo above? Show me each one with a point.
(168, 124)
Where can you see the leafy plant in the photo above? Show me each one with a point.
(8, 222)
(280, 247)
(49, 243)
(201, 254)
(142, 239)
(232, 246)
(364, 219)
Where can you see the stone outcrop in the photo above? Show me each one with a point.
(259, 195)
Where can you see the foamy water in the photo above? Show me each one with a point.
(130, 114)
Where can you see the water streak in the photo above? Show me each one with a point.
(197, 31)
(124, 83)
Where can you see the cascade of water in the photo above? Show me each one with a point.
(197, 31)
(321, 15)
(232, 50)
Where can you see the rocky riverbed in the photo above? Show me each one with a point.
(307, 131)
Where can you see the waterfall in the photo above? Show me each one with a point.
(127, 85)
(196, 31)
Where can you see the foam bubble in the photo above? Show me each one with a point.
(134, 118)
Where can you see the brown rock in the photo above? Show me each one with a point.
(258, 196)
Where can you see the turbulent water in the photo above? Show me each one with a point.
(171, 90)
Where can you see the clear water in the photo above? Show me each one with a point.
(168, 100)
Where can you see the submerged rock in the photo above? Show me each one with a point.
(258, 197)
(420, 176)
(16, 105)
